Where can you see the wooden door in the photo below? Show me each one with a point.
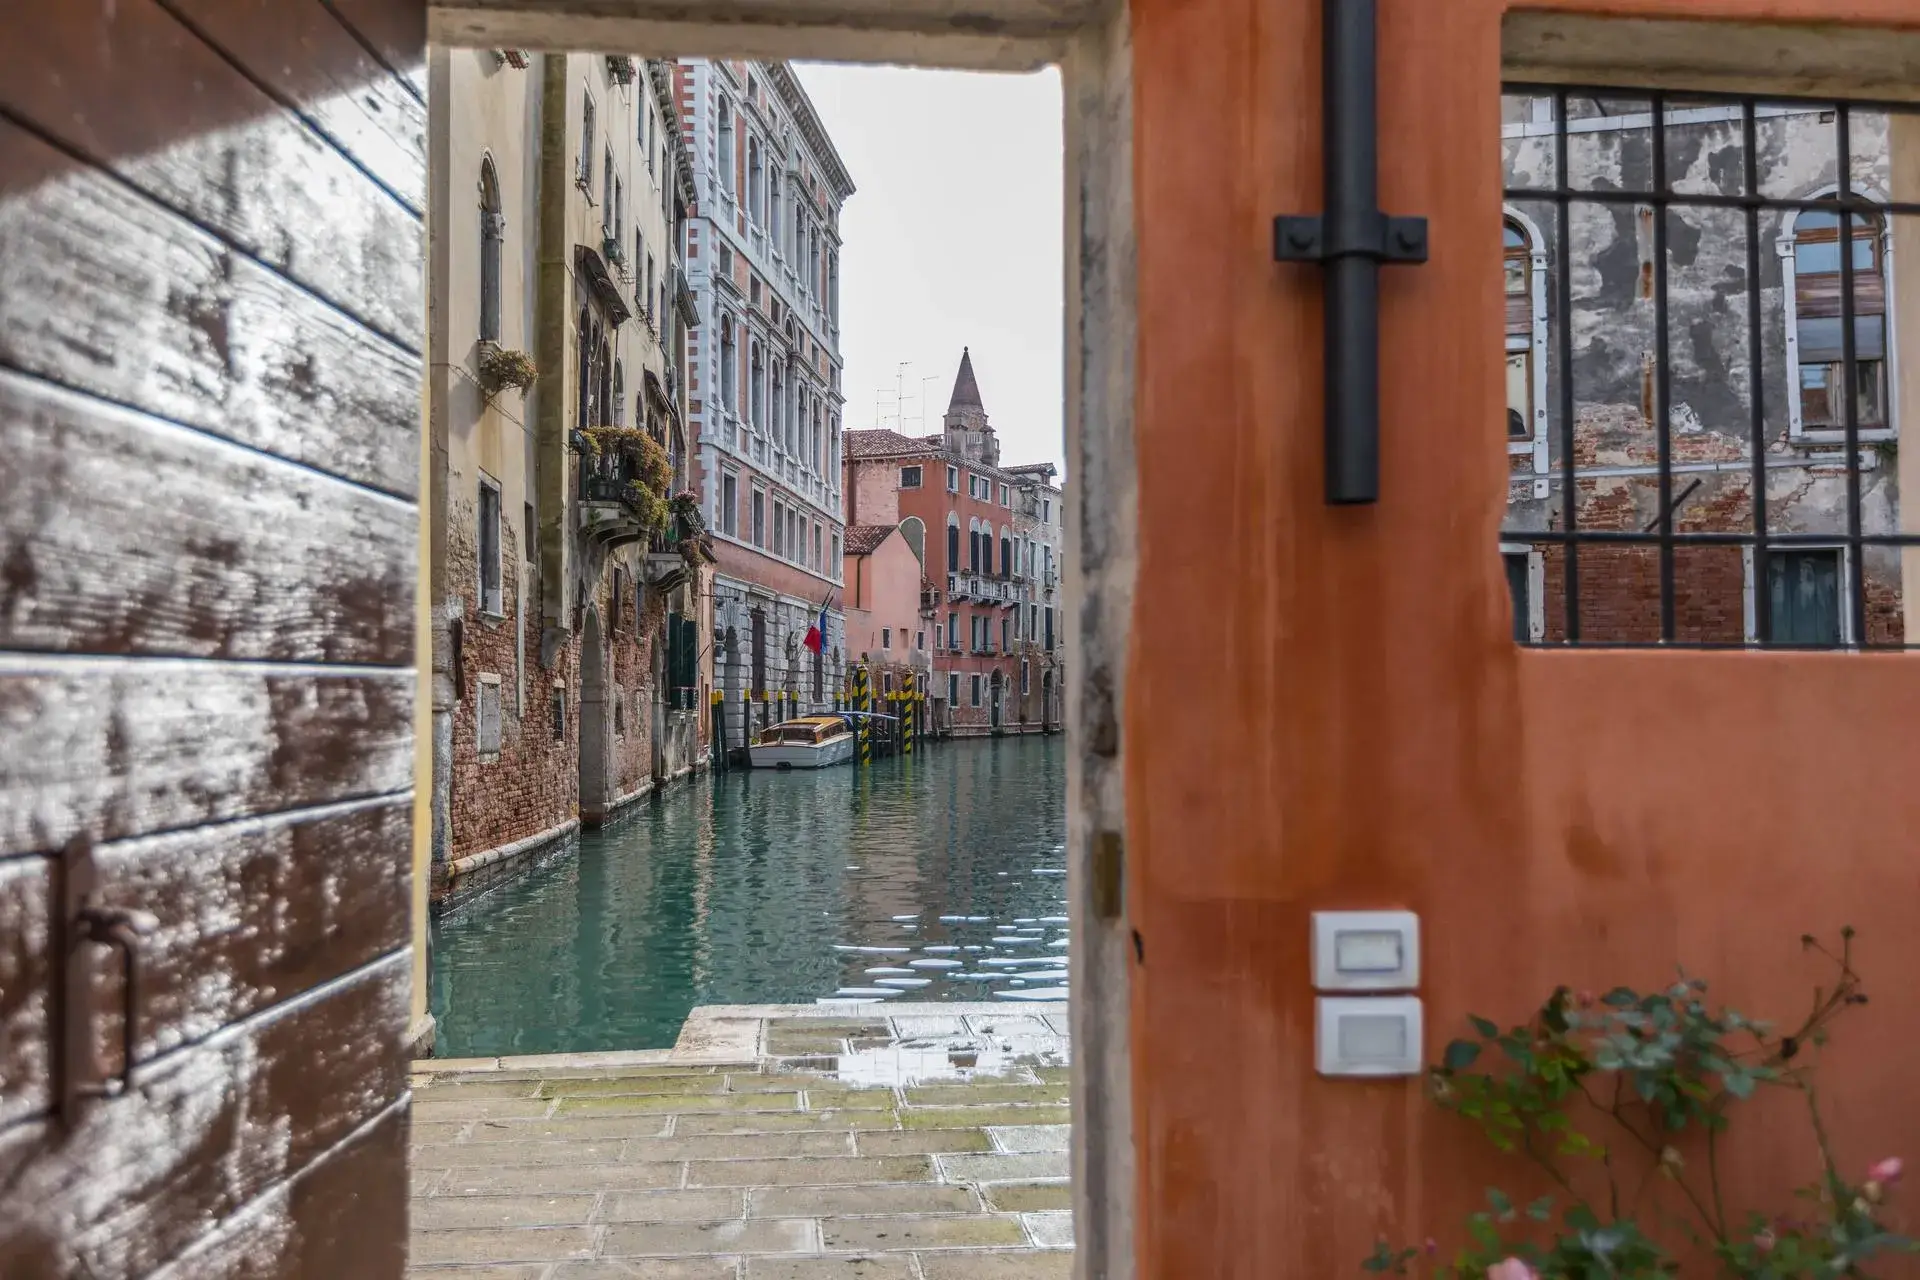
(1582, 816)
(210, 336)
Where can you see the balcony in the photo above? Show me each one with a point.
(604, 478)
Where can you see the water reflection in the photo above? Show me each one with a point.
(938, 878)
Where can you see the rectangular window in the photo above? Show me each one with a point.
(886, 637)
(1005, 647)
(1046, 511)
(833, 566)
(489, 539)
(1520, 594)
(557, 707)
(779, 528)
(1024, 678)
(953, 630)
(953, 688)
(909, 477)
(1049, 636)
(919, 639)
(487, 717)
(1006, 496)
(818, 549)
(953, 479)
(759, 517)
(973, 684)
(1804, 598)
(729, 504)
(584, 175)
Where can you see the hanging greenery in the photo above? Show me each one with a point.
(503, 367)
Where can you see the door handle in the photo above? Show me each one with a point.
(1350, 241)
(81, 924)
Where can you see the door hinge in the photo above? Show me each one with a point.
(1350, 241)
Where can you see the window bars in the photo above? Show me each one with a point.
(1808, 576)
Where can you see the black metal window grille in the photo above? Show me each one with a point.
(1791, 572)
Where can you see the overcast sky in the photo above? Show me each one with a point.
(952, 239)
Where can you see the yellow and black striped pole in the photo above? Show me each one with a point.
(906, 718)
(863, 703)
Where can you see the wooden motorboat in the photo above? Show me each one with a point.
(807, 742)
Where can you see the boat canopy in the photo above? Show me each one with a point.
(806, 730)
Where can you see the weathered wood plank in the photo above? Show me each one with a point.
(250, 913)
(122, 748)
(133, 90)
(108, 293)
(396, 30)
(301, 51)
(204, 1131)
(122, 534)
(344, 1215)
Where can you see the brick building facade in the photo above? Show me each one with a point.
(568, 626)
(984, 594)
(1688, 251)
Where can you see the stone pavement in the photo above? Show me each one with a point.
(773, 1142)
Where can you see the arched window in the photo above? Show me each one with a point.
(585, 339)
(1006, 554)
(756, 386)
(729, 367)
(605, 406)
(1524, 258)
(953, 545)
(492, 227)
(1816, 339)
(619, 402)
(725, 158)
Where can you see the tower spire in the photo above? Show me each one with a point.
(966, 392)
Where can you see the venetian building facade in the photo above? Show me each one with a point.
(568, 620)
(762, 255)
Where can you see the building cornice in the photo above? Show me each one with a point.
(787, 84)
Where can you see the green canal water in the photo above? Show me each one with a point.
(936, 878)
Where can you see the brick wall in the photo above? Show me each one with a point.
(533, 785)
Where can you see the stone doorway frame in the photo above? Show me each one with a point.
(1089, 40)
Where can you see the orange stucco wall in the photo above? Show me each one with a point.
(1553, 817)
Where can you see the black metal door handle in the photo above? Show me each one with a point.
(80, 924)
(1350, 241)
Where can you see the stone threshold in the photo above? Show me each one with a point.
(734, 1035)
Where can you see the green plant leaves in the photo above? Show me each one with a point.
(1460, 1055)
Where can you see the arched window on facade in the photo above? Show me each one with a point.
(1822, 390)
(1524, 254)
(604, 409)
(1006, 554)
(953, 544)
(492, 229)
(756, 386)
(725, 145)
(756, 182)
(619, 402)
(585, 339)
(729, 367)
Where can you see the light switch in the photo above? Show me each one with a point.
(1366, 950)
(1367, 1035)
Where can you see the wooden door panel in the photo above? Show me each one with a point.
(120, 748)
(209, 1130)
(210, 333)
(170, 319)
(252, 912)
(128, 89)
(209, 551)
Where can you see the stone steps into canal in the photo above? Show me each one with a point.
(773, 1142)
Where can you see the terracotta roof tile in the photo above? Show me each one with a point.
(884, 444)
(865, 539)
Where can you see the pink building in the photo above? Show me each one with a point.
(884, 628)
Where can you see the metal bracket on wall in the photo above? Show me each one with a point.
(1350, 241)
(79, 924)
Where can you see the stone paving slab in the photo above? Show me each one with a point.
(797, 1142)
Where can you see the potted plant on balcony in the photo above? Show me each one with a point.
(503, 367)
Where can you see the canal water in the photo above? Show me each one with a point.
(940, 877)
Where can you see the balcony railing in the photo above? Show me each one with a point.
(604, 477)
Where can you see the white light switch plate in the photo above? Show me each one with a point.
(1366, 950)
(1367, 1035)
